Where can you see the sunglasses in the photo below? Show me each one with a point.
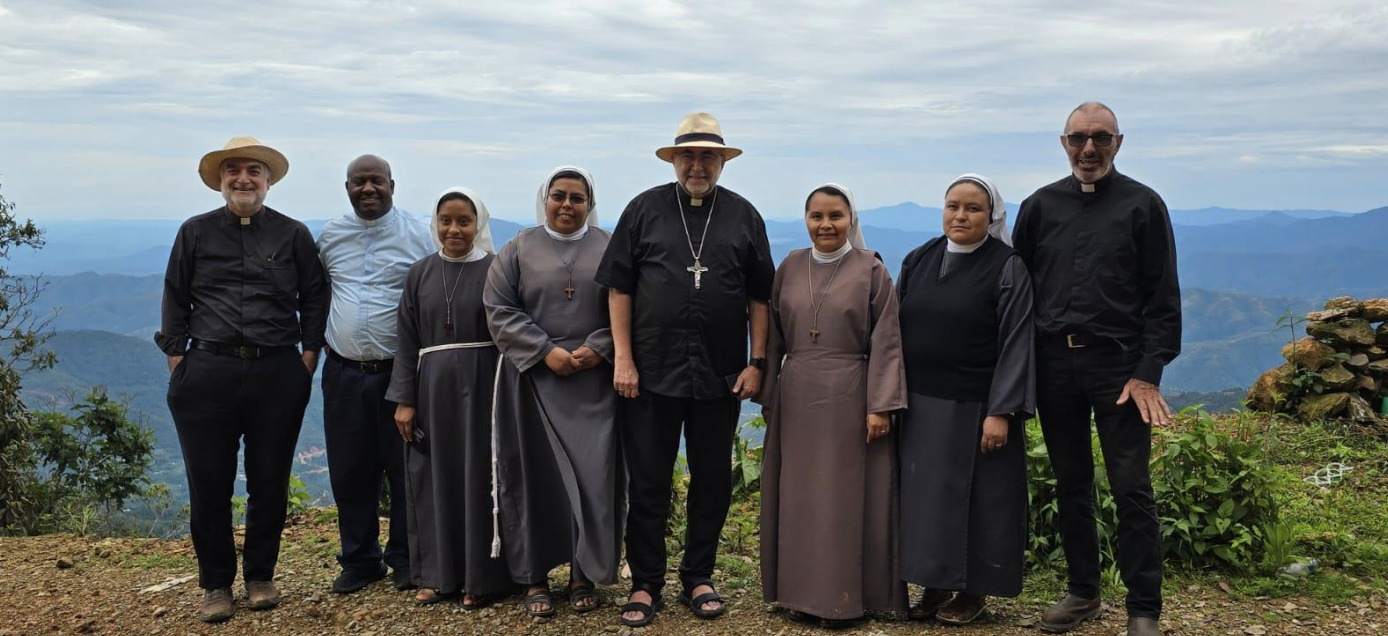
(1101, 140)
(575, 199)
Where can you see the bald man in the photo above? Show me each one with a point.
(366, 254)
(1108, 320)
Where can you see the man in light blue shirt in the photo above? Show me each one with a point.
(367, 254)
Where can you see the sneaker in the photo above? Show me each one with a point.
(217, 605)
(351, 580)
(402, 580)
(262, 594)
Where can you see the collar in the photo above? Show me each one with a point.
(384, 219)
(1098, 186)
(474, 255)
(235, 219)
(690, 200)
(951, 246)
(831, 257)
(578, 234)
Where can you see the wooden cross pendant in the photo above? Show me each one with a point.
(814, 335)
(569, 292)
(698, 271)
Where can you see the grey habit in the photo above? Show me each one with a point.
(964, 513)
(560, 475)
(448, 474)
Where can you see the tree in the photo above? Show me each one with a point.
(21, 340)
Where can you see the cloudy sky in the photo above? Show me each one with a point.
(105, 107)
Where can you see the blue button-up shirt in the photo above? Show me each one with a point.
(366, 263)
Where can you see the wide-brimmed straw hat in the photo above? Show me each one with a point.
(210, 167)
(698, 130)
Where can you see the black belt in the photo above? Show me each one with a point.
(243, 352)
(1081, 341)
(365, 366)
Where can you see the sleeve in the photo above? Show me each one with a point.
(403, 385)
(600, 341)
(1161, 315)
(759, 269)
(522, 341)
(775, 342)
(1014, 376)
(1022, 233)
(313, 290)
(886, 380)
(617, 269)
(177, 306)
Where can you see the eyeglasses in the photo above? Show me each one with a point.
(575, 198)
(1101, 140)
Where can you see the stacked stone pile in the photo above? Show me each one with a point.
(1345, 353)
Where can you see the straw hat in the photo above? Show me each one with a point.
(698, 130)
(210, 167)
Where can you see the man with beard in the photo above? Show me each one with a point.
(367, 254)
(689, 269)
(1108, 320)
(243, 291)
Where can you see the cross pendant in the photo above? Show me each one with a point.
(698, 271)
(569, 292)
(814, 335)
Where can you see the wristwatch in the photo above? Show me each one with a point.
(759, 363)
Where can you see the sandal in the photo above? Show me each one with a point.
(583, 597)
(696, 604)
(931, 602)
(962, 610)
(540, 597)
(472, 602)
(648, 610)
(430, 596)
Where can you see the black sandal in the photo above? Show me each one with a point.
(696, 604)
(581, 591)
(648, 609)
(540, 597)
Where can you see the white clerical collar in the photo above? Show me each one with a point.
(951, 246)
(578, 234)
(373, 222)
(474, 255)
(831, 257)
(1090, 187)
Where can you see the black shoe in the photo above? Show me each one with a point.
(401, 578)
(352, 580)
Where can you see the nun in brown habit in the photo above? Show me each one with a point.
(966, 304)
(829, 494)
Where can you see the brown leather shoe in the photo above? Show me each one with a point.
(963, 609)
(217, 605)
(1069, 613)
(1143, 627)
(262, 594)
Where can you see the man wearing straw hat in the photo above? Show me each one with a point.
(243, 290)
(689, 269)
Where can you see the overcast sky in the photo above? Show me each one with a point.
(106, 107)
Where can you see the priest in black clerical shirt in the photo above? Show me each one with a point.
(1108, 319)
(689, 269)
(243, 291)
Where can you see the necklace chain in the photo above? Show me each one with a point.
(448, 294)
(809, 277)
(679, 199)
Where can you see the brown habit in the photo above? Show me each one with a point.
(829, 499)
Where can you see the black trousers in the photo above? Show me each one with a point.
(651, 439)
(216, 401)
(364, 446)
(1072, 383)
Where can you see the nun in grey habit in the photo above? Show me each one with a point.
(966, 316)
(445, 364)
(560, 486)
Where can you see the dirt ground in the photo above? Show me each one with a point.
(73, 585)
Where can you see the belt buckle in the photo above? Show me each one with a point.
(369, 366)
(1070, 342)
(247, 353)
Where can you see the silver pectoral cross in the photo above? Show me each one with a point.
(698, 271)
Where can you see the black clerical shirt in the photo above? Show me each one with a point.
(1104, 266)
(686, 342)
(254, 282)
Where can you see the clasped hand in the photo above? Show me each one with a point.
(564, 364)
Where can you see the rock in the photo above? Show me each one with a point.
(1375, 309)
(1357, 361)
(1323, 407)
(1365, 383)
(1359, 409)
(1381, 334)
(159, 612)
(1377, 367)
(1270, 389)
(1337, 378)
(64, 563)
(1376, 353)
(88, 626)
(1344, 302)
(1328, 315)
(1351, 331)
(1308, 352)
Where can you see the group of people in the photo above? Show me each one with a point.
(527, 405)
